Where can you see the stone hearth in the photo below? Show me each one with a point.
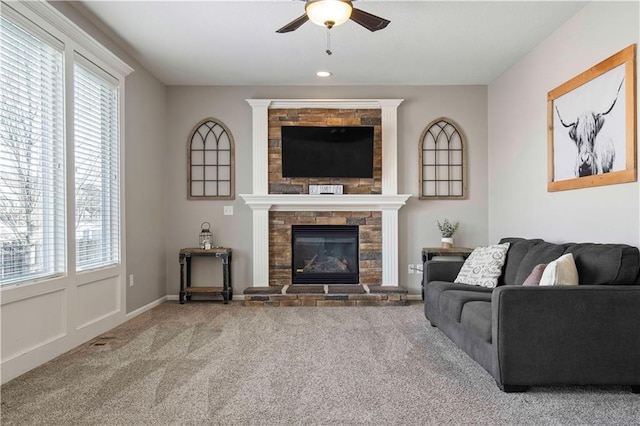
(325, 295)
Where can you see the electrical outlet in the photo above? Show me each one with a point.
(418, 268)
(228, 210)
(131, 280)
(410, 270)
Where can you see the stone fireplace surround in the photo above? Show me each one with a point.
(280, 236)
(266, 206)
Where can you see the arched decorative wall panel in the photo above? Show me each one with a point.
(442, 157)
(210, 163)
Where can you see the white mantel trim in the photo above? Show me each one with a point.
(327, 103)
(303, 202)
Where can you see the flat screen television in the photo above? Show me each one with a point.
(327, 152)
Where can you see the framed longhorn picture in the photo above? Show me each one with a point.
(592, 126)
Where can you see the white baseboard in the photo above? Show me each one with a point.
(147, 307)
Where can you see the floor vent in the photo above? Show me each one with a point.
(102, 341)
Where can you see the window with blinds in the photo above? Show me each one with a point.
(37, 187)
(96, 167)
(32, 182)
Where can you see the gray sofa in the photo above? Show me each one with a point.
(546, 335)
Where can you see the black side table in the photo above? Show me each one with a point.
(428, 253)
(217, 252)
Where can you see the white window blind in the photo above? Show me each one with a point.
(32, 194)
(96, 167)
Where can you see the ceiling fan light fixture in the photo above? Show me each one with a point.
(328, 13)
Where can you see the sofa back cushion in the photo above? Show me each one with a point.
(614, 264)
(543, 252)
(518, 248)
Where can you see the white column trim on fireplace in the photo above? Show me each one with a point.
(260, 246)
(390, 270)
(261, 202)
(389, 146)
(260, 148)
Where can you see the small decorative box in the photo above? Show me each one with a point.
(325, 189)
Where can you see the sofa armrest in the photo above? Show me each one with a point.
(440, 270)
(585, 334)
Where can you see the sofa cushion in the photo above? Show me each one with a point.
(518, 248)
(535, 276)
(434, 289)
(483, 266)
(452, 301)
(561, 271)
(476, 316)
(615, 264)
(542, 252)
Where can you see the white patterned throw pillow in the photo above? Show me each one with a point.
(483, 267)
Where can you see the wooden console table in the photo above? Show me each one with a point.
(428, 253)
(217, 252)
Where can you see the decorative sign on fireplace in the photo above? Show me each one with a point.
(325, 254)
(325, 189)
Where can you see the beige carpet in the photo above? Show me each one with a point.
(208, 363)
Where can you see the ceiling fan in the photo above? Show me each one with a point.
(330, 13)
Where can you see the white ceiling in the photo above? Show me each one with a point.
(235, 43)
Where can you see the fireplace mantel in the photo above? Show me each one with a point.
(389, 202)
(303, 202)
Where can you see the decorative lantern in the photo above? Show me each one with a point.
(206, 237)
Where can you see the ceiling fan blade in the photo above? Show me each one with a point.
(369, 21)
(294, 25)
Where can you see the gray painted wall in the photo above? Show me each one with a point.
(519, 204)
(146, 164)
(466, 105)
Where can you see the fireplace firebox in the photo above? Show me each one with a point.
(325, 254)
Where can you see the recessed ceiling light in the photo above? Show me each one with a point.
(323, 74)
